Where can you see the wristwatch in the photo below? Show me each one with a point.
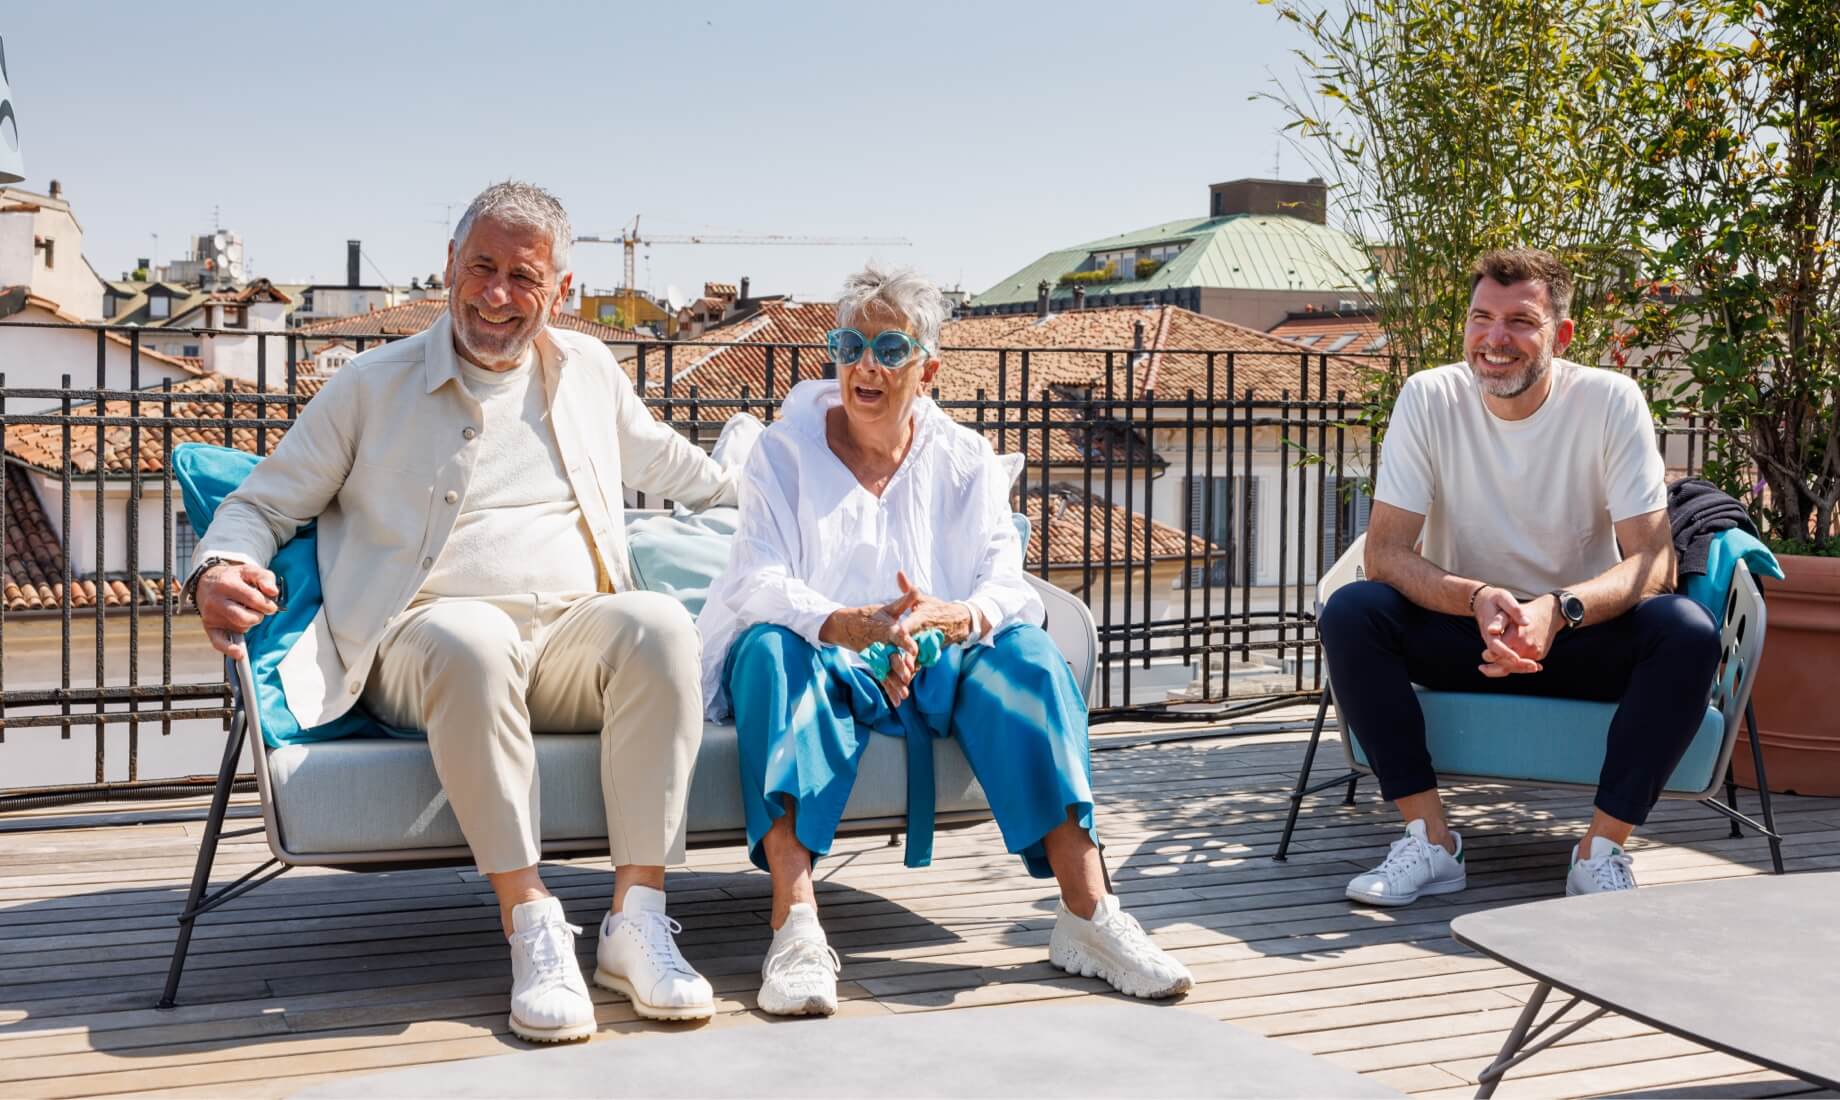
(1570, 607)
(189, 591)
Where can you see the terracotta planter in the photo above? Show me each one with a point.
(1797, 697)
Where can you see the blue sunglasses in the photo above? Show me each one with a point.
(891, 348)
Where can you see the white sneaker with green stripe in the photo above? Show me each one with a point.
(1413, 868)
(1607, 871)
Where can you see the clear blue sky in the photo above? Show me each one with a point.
(986, 133)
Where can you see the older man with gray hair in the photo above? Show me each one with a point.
(468, 487)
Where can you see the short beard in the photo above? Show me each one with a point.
(1510, 388)
(484, 348)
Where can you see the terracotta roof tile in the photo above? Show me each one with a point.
(412, 317)
(1323, 332)
(41, 445)
(1068, 509)
(32, 578)
(1070, 349)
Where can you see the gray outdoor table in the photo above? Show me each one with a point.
(1109, 1050)
(1747, 966)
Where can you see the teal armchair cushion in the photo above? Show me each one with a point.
(206, 475)
(1539, 739)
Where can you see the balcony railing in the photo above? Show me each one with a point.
(1192, 496)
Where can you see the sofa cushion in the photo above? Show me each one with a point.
(206, 475)
(382, 795)
(680, 554)
(1541, 740)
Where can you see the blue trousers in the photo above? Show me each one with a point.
(804, 715)
(1655, 663)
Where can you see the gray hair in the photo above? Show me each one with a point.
(901, 289)
(525, 204)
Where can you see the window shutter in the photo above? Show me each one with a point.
(1197, 526)
(1332, 505)
(1252, 530)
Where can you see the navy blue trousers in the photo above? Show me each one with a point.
(1655, 663)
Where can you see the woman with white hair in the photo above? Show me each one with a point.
(869, 516)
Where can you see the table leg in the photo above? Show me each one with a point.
(1490, 1077)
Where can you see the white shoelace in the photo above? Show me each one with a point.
(1615, 871)
(1408, 856)
(805, 961)
(550, 948)
(655, 935)
(1129, 936)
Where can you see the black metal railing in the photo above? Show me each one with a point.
(1192, 497)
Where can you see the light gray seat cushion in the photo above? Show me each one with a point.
(378, 795)
(378, 800)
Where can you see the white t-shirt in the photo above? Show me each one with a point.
(1524, 504)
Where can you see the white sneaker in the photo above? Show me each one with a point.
(1113, 946)
(549, 1001)
(1414, 868)
(1608, 870)
(636, 956)
(799, 976)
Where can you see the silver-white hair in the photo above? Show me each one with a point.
(526, 204)
(901, 289)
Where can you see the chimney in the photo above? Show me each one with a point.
(1308, 200)
(57, 190)
(352, 250)
(144, 263)
(744, 289)
(1079, 297)
(1041, 300)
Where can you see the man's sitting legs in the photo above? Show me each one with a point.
(479, 675)
(1378, 644)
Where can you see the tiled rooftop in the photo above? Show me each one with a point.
(1353, 333)
(1067, 508)
(33, 576)
(41, 445)
(412, 317)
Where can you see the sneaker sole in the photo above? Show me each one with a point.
(1430, 891)
(613, 983)
(1076, 959)
(810, 1006)
(568, 1034)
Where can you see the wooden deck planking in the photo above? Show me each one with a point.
(322, 974)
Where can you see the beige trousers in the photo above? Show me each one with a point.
(481, 674)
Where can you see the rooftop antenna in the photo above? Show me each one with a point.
(217, 221)
(447, 217)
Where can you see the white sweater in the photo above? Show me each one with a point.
(519, 530)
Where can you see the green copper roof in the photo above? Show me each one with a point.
(1240, 252)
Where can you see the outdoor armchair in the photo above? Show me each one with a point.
(1556, 742)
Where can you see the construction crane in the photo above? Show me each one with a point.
(629, 240)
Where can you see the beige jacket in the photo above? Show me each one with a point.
(382, 457)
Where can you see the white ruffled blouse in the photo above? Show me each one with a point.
(812, 540)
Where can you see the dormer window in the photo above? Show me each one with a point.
(159, 306)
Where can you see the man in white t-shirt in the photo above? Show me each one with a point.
(1519, 544)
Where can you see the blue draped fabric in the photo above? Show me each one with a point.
(804, 715)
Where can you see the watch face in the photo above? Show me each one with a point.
(1572, 607)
